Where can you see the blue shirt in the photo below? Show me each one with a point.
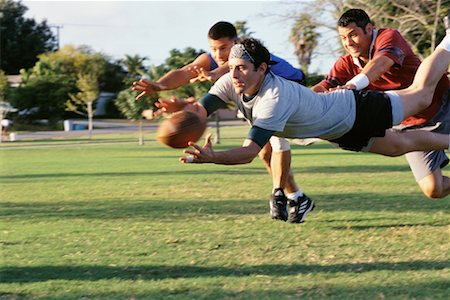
(282, 68)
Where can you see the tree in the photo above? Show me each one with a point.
(46, 87)
(125, 101)
(21, 39)
(132, 109)
(43, 97)
(87, 84)
(134, 65)
(3, 85)
(242, 30)
(304, 37)
(420, 22)
(178, 59)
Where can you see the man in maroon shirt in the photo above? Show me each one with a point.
(381, 59)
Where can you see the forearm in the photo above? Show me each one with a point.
(175, 78)
(318, 88)
(377, 67)
(237, 156)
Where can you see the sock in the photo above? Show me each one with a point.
(445, 44)
(294, 196)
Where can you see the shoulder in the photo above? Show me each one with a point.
(224, 80)
(223, 87)
(275, 58)
(202, 61)
(389, 35)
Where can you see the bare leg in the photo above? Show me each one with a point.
(419, 95)
(281, 170)
(291, 185)
(396, 143)
(435, 185)
(278, 165)
(265, 155)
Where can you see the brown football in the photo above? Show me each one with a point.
(180, 128)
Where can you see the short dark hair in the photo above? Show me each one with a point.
(256, 49)
(222, 29)
(357, 16)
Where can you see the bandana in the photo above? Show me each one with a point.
(238, 51)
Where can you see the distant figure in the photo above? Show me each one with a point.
(6, 126)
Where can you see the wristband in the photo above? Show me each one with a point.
(360, 81)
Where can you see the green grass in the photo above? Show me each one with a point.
(108, 219)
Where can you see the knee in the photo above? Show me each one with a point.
(399, 145)
(432, 192)
(396, 149)
(427, 98)
(265, 154)
(431, 188)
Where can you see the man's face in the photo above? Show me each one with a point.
(246, 80)
(355, 41)
(220, 49)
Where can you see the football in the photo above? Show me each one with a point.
(180, 128)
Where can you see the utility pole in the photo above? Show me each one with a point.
(58, 27)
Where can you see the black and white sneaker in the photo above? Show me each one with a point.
(300, 208)
(278, 205)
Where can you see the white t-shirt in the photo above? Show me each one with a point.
(292, 110)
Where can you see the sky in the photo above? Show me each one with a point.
(152, 28)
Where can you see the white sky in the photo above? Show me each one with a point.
(153, 28)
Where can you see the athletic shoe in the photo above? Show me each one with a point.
(278, 205)
(300, 208)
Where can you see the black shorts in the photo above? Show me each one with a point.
(373, 117)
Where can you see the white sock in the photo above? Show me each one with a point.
(445, 44)
(294, 196)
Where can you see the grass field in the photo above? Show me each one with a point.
(109, 219)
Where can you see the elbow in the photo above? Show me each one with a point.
(252, 153)
(248, 160)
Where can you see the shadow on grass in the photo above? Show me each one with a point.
(171, 209)
(436, 289)
(94, 273)
(251, 170)
(170, 173)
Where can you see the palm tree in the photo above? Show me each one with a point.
(134, 65)
(304, 37)
(242, 30)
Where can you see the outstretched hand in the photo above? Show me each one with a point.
(171, 105)
(146, 88)
(200, 74)
(348, 86)
(199, 154)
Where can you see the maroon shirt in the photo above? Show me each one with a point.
(390, 43)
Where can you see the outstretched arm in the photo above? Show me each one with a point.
(172, 79)
(206, 154)
(372, 71)
(420, 94)
(256, 139)
(175, 104)
(204, 75)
